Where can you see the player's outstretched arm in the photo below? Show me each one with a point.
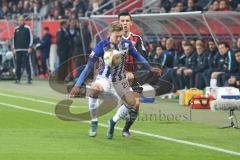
(76, 89)
(138, 56)
(141, 59)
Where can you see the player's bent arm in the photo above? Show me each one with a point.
(76, 89)
(140, 58)
(86, 71)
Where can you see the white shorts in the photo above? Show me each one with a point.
(121, 87)
(104, 82)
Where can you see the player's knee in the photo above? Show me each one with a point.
(132, 103)
(95, 90)
(133, 115)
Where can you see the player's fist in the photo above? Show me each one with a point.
(74, 92)
(130, 75)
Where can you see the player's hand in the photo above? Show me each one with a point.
(187, 72)
(215, 74)
(179, 71)
(14, 52)
(74, 92)
(130, 75)
(29, 50)
(238, 83)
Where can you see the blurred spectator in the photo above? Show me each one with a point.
(163, 42)
(210, 8)
(215, 6)
(178, 61)
(5, 12)
(80, 7)
(184, 73)
(224, 66)
(167, 4)
(237, 46)
(180, 7)
(201, 66)
(212, 52)
(151, 51)
(63, 50)
(167, 57)
(234, 79)
(223, 6)
(82, 42)
(73, 30)
(56, 9)
(157, 58)
(44, 47)
(45, 9)
(105, 7)
(183, 43)
(192, 6)
(234, 4)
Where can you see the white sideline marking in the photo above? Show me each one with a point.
(34, 99)
(134, 131)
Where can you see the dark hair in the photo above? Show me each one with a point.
(237, 51)
(224, 43)
(160, 45)
(46, 28)
(124, 13)
(63, 22)
(188, 44)
(211, 40)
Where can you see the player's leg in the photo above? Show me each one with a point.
(123, 90)
(132, 117)
(97, 88)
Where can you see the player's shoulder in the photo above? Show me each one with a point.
(126, 43)
(126, 40)
(135, 35)
(102, 43)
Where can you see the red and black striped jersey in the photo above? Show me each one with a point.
(138, 43)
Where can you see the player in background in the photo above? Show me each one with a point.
(126, 20)
(116, 73)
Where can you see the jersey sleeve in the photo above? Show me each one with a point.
(98, 50)
(140, 47)
(93, 58)
(138, 56)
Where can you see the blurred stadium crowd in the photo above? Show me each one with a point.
(60, 9)
(197, 63)
(53, 9)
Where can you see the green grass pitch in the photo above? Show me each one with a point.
(29, 130)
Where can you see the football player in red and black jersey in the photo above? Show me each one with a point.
(126, 20)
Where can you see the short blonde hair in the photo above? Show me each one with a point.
(115, 26)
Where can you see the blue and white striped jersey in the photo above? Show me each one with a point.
(116, 73)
